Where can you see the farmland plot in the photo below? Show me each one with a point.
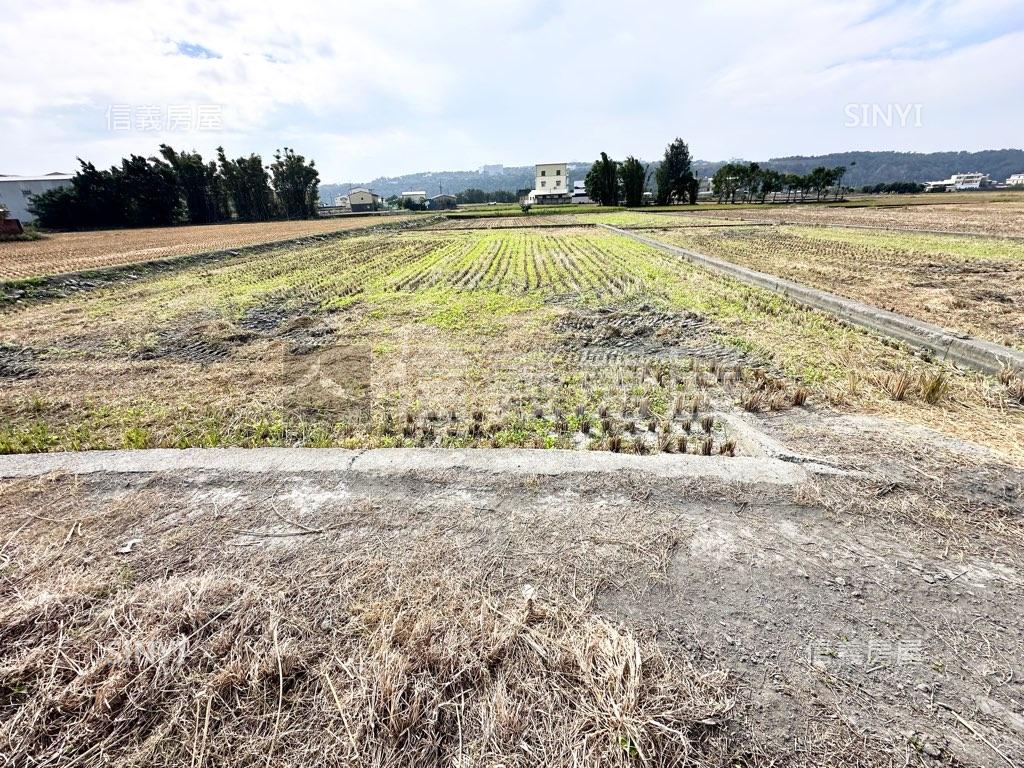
(625, 219)
(971, 285)
(996, 219)
(66, 252)
(575, 338)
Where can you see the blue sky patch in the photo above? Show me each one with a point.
(196, 51)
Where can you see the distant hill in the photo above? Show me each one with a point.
(879, 167)
(862, 168)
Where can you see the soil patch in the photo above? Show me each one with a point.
(16, 362)
(616, 333)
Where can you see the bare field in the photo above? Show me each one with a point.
(971, 285)
(65, 252)
(996, 219)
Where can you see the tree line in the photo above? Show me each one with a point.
(749, 182)
(610, 183)
(893, 188)
(473, 196)
(181, 187)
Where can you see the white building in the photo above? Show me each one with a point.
(960, 181)
(15, 191)
(419, 197)
(551, 184)
(1016, 180)
(341, 201)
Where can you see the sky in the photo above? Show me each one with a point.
(392, 87)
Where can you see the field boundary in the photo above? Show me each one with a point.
(981, 355)
(398, 461)
(59, 285)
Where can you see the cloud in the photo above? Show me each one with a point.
(396, 86)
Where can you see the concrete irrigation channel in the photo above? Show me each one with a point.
(944, 344)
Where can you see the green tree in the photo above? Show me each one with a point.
(633, 175)
(137, 193)
(200, 185)
(247, 184)
(56, 208)
(297, 184)
(148, 193)
(771, 183)
(727, 181)
(602, 181)
(674, 176)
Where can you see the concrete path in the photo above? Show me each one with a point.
(394, 461)
(959, 348)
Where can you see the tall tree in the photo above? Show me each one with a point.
(602, 181)
(248, 186)
(200, 185)
(726, 181)
(675, 174)
(633, 175)
(149, 193)
(297, 184)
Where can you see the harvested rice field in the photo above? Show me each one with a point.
(968, 284)
(625, 219)
(994, 219)
(534, 338)
(66, 252)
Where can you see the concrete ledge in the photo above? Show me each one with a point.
(962, 349)
(398, 461)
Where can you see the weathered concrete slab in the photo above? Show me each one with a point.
(396, 461)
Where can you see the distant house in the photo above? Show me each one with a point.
(15, 191)
(341, 201)
(551, 184)
(960, 181)
(419, 197)
(362, 199)
(441, 202)
(579, 193)
(1016, 180)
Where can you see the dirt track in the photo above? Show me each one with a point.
(865, 613)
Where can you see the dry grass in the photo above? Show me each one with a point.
(349, 632)
(896, 385)
(216, 671)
